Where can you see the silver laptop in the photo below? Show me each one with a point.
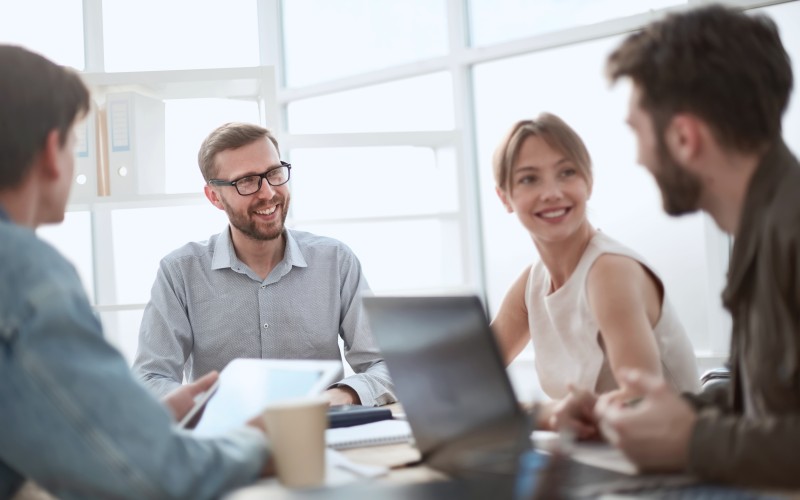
(451, 381)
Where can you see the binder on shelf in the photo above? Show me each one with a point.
(84, 178)
(135, 142)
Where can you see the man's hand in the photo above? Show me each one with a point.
(342, 395)
(181, 400)
(653, 431)
(258, 422)
(576, 413)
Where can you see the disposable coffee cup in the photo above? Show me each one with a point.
(296, 430)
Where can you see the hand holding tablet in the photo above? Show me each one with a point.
(247, 386)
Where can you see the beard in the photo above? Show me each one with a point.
(251, 228)
(680, 190)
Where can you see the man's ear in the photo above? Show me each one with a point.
(213, 197)
(49, 159)
(504, 199)
(684, 138)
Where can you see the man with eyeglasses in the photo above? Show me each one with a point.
(257, 289)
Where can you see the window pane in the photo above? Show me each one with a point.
(326, 40)
(121, 329)
(188, 122)
(494, 21)
(357, 182)
(179, 34)
(402, 256)
(422, 103)
(73, 238)
(143, 236)
(625, 201)
(57, 35)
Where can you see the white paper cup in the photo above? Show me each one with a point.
(296, 430)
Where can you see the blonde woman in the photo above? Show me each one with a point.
(591, 306)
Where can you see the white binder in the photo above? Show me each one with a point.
(84, 178)
(135, 126)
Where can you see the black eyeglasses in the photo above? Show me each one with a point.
(250, 184)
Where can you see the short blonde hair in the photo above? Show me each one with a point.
(555, 132)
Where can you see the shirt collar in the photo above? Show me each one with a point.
(3, 215)
(225, 256)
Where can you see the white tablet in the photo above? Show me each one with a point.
(247, 386)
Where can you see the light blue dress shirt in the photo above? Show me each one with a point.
(207, 308)
(72, 417)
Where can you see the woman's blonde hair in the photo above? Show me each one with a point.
(555, 132)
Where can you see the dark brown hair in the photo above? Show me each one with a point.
(37, 96)
(725, 66)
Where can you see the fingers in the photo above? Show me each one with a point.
(576, 413)
(204, 382)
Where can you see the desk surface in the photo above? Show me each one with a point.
(396, 456)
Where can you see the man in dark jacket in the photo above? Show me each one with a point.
(709, 88)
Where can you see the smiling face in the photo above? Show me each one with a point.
(546, 191)
(259, 216)
(680, 189)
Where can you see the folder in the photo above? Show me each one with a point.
(136, 144)
(84, 178)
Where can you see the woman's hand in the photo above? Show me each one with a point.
(576, 414)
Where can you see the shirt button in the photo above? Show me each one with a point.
(263, 286)
(266, 325)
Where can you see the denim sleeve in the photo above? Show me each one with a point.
(165, 335)
(76, 422)
(371, 379)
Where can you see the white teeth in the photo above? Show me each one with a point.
(268, 211)
(554, 213)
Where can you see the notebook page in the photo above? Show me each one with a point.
(372, 434)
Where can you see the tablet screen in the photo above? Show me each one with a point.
(247, 386)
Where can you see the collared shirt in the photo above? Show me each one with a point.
(72, 418)
(207, 308)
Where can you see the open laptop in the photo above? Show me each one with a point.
(451, 380)
(452, 383)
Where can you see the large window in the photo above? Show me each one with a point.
(58, 34)
(421, 103)
(390, 111)
(494, 21)
(326, 40)
(179, 34)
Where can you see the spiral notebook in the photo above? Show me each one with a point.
(372, 434)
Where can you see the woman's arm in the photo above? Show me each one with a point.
(626, 302)
(510, 326)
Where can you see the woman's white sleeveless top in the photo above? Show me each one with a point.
(566, 338)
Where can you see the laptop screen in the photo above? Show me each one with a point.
(448, 373)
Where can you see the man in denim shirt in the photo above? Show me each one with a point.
(72, 418)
